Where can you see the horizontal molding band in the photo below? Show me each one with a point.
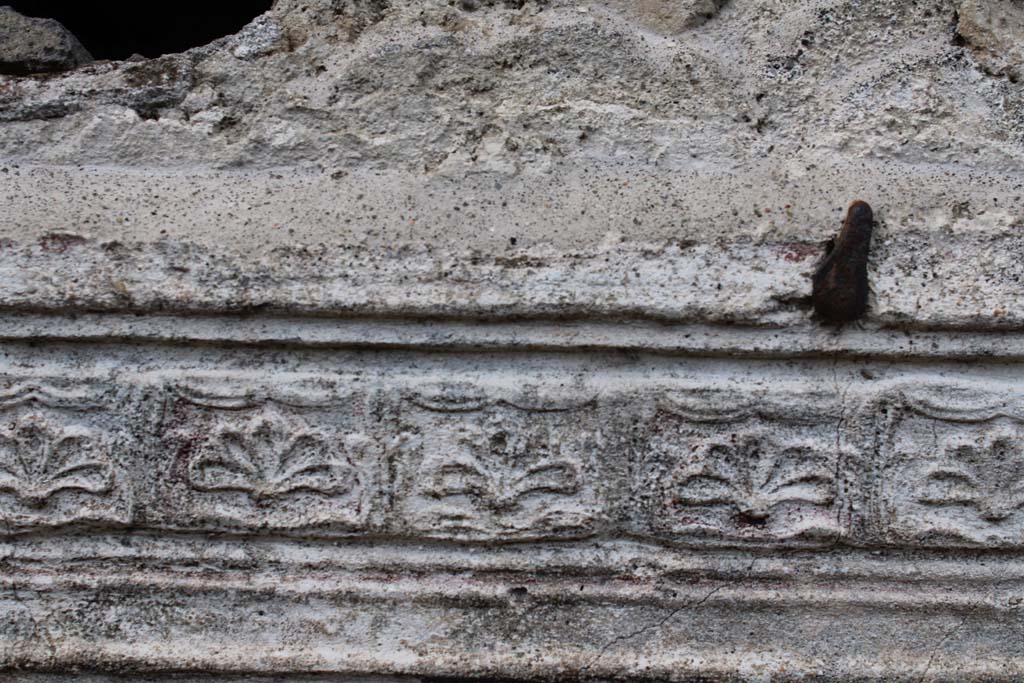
(702, 245)
(597, 562)
(709, 628)
(914, 661)
(734, 341)
(458, 590)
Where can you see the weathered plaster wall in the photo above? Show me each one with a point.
(557, 132)
(473, 339)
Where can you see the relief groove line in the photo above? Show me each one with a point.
(697, 339)
(450, 591)
(597, 558)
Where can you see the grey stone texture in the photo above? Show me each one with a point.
(31, 45)
(393, 341)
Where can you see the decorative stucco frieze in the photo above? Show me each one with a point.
(477, 340)
(418, 479)
(875, 465)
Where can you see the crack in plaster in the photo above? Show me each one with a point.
(657, 624)
(842, 393)
(949, 634)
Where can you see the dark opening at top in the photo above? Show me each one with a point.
(117, 30)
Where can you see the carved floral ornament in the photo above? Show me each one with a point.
(985, 473)
(38, 459)
(499, 470)
(752, 474)
(271, 456)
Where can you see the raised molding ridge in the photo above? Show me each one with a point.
(762, 282)
(801, 341)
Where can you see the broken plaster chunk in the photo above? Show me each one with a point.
(31, 45)
(670, 17)
(199, 98)
(262, 36)
(994, 30)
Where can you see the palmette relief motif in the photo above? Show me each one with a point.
(261, 466)
(500, 470)
(953, 477)
(496, 473)
(741, 477)
(39, 459)
(985, 475)
(751, 475)
(268, 457)
(59, 467)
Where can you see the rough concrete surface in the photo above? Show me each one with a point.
(426, 340)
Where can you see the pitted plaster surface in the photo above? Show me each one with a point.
(439, 341)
